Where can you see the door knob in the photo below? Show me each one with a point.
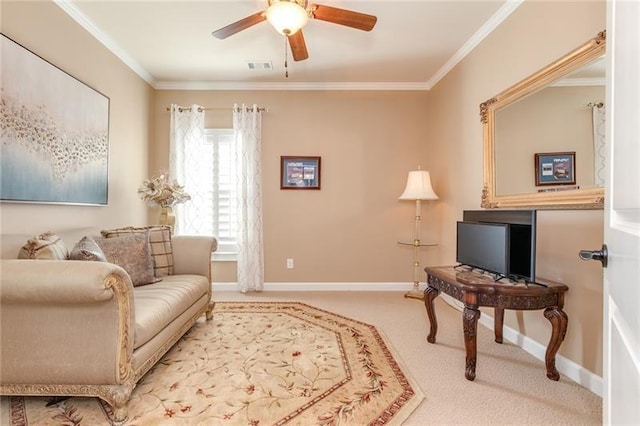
(600, 255)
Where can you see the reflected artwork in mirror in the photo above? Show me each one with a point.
(558, 109)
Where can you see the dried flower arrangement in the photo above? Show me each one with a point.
(162, 191)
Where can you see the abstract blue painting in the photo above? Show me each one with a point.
(54, 133)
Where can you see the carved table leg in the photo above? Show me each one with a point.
(470, 326)
(559, 321)
(431, 293)
(498, 321)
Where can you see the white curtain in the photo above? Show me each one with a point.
(186, 135)
(247, 126)
(599, 149)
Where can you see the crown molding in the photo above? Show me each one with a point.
(88, 25)
(474, 41)
(495, 20)
(239, 85)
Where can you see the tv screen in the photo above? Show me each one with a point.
(484, 246)
(521, 247)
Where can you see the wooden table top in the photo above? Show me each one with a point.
(478, 281)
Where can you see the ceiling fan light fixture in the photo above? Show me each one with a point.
(287, 17)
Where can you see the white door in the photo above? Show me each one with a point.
(622, 217)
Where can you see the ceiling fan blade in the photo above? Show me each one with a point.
(349, 18)
(240, 25)
(298, 46)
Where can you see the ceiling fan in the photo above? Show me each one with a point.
(289, 16)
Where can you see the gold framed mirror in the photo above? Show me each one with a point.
(516, 135)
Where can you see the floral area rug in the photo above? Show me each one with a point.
(255, 364)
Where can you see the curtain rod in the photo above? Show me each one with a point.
(200, 109)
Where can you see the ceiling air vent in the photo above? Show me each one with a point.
(259, 65)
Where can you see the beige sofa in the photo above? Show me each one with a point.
(80, 328)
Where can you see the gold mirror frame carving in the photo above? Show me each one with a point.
(587, 198)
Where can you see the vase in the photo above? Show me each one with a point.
(167, 217)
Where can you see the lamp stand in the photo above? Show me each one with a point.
(418, 188)
(415, 292)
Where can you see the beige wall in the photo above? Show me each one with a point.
(49, 32)
(537, 33)
(556, 119)
(347, 231)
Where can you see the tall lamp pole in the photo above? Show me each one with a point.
(418, 188)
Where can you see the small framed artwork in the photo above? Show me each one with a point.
(299, 172)
(555, 168)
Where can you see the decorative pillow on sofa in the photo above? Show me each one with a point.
(133, 254)
(160, 241)
(47, 246)
(87, 249)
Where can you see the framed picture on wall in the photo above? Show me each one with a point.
(555, 168)
(55, 133)
(299, 172)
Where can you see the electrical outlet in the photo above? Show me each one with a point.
(289, 263)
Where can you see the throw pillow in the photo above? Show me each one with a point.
(47, 246)
(133, 254)
(160, 241)
(87, 249)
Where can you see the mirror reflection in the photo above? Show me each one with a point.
(566, 116)
(544, 137)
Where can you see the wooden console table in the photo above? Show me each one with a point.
(476, 289)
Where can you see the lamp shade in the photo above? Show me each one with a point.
(418, 187)
(287, 17)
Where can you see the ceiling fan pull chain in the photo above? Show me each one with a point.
(286, 65)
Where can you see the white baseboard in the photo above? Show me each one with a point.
(384, 286)
(572, 370)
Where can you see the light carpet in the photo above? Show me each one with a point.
(256, 363)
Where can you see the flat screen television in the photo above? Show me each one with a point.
(484, 246)
(499, 241)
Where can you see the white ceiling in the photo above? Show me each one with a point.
(169, 43)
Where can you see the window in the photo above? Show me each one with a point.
(211, 182)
